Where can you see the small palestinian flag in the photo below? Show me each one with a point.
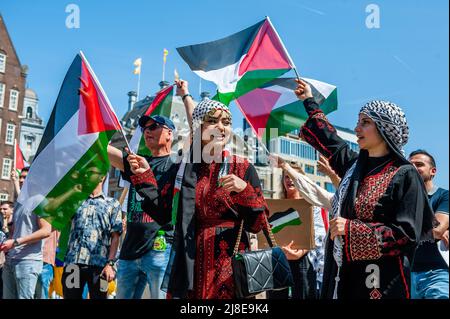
(280, 220)
(240, 62)
(161, 105)
(19, 161)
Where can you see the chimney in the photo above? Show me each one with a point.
(204, 96)
(132, 97)
(163, 84)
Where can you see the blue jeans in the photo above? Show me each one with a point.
(130, 274)
(20, 278)
(44, 280)
(432, 284)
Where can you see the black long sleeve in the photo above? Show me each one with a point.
(322, 135)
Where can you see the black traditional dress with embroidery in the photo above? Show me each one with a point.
(217, 220)
(384, 217)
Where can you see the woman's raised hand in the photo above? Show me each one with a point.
(303, 90)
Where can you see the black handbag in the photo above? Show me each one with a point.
(260, 270)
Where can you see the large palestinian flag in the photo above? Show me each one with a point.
(72, 156)
(275, 109)
(241, 62)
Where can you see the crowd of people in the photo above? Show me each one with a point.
(382, 234)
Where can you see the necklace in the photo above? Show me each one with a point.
(384, 163)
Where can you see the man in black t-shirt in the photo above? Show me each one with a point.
(429, 277)
(138, 254)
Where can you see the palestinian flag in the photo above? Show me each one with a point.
(19, 161)
(161, 105)
(241, 62)
(280, 220)
(72, 156)
(275, 107)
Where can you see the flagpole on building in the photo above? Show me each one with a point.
(165, 53)
(138, 84)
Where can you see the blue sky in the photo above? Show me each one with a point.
(406, 60)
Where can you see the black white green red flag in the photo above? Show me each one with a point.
(273, 109)
(72, 156)
(240, 62)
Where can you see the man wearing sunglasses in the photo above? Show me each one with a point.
(138, 254)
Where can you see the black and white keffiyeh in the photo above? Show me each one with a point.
(390, 121)
(205, 107)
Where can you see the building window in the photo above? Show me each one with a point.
(318, 183)
(29, 112)
(308, 152)
(10, 131)
(330, 187)
(13, 100)
(2, 62)
(285, 147)
(2, 94)
(309, 169)
(6, 168)
(29, 144)
(3, 196)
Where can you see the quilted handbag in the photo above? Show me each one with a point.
(260, 270)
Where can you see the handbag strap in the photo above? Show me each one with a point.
(267, 233)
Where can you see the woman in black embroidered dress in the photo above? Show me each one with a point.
(217, 193)
(380, 210)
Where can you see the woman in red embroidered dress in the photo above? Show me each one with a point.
(217, 193)
(380, 210)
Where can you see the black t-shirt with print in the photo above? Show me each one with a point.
(141, 228)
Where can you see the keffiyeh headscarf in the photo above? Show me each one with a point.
(205, 107)
(390, 121)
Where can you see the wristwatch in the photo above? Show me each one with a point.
(111, 262)
(185, 96)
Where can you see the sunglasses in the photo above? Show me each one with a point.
(152, 126)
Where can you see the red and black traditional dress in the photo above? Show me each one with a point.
(387, 214)
(207, 227)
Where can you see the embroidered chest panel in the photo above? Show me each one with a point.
(370, 192)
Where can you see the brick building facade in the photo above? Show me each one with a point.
(12, 92)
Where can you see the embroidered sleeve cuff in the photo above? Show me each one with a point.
(310, 105)
(144, 178)
(361, 243)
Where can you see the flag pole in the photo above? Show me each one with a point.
(138, 84)
(123, 195)
(15, 153)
